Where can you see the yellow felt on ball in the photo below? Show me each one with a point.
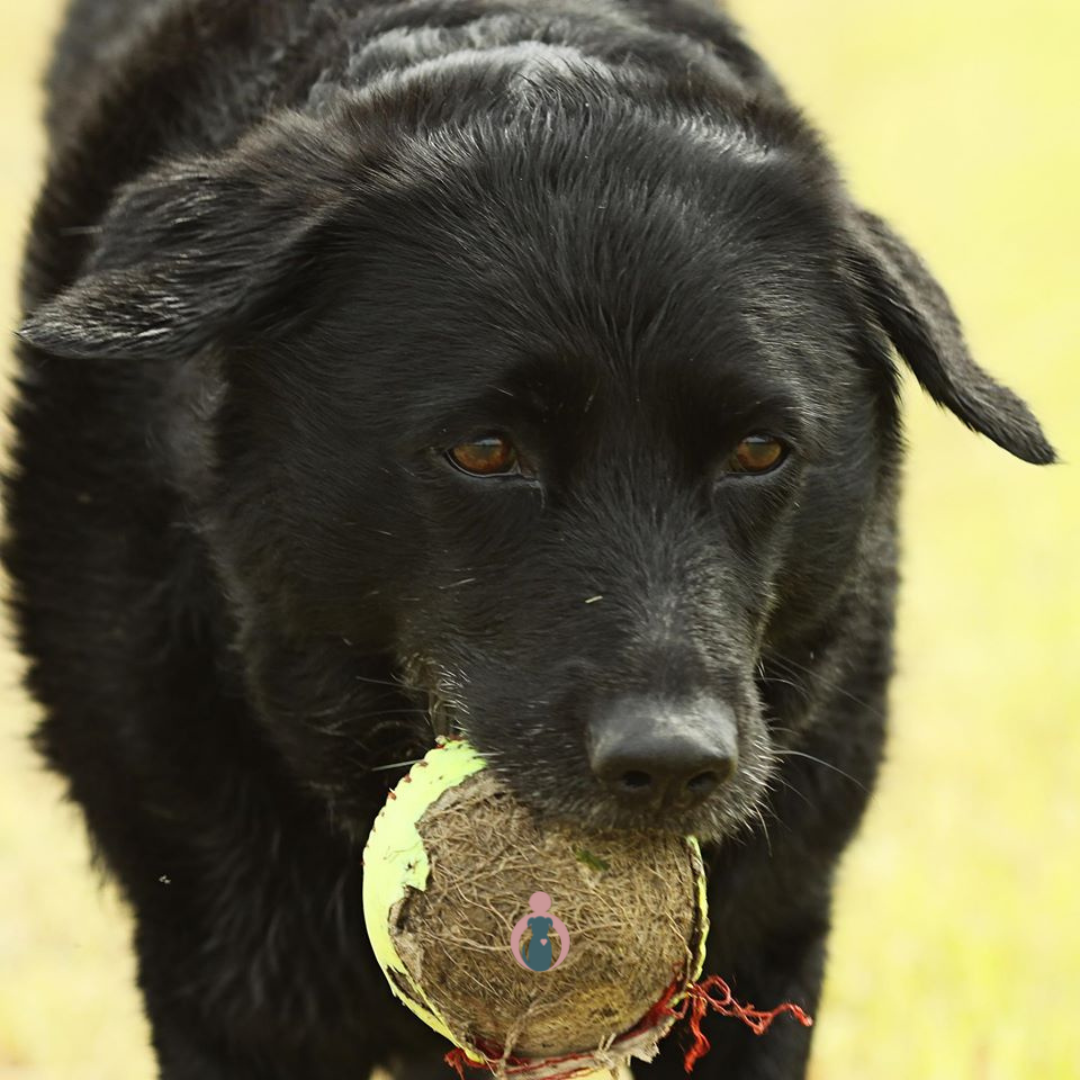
(395, 860)
(449, 868)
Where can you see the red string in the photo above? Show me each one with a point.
(758, 1020)
(459, 1059)
(698, 999)
(456, 1059)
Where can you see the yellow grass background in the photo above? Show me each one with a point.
(957, 948)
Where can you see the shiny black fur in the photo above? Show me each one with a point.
(287, 253)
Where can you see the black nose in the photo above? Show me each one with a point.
(654, 752)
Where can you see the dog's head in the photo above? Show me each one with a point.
(552, 428)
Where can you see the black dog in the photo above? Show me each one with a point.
(512, 367)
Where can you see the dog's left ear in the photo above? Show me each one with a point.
(195, 247)
(914, 311)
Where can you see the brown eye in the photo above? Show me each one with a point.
(489, 455)
(756, 454)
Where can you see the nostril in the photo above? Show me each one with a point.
(636, 780)
(703, 783)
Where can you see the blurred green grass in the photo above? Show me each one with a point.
(957, 945)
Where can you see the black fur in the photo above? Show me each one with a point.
(287, 252)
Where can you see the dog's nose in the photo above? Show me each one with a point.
(653, 752)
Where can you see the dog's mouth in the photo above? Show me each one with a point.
(437, 712)
(445, 717)
(566, 794)
(561, 790)
(581, 804)
(438, 692)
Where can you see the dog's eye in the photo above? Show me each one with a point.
(756, 454)
(489, 455)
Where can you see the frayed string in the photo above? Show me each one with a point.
(711, 993)
(457, 1059)
(701, 998)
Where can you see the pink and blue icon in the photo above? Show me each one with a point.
(536, 956)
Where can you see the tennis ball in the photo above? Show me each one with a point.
(451, 868)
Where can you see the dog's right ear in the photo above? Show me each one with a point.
(193, 247)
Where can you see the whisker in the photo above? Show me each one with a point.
(786, 682)
(788, 786)
(788, 663)
(391, 684)
(827, 764)
(782, 728)
(764, 828)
